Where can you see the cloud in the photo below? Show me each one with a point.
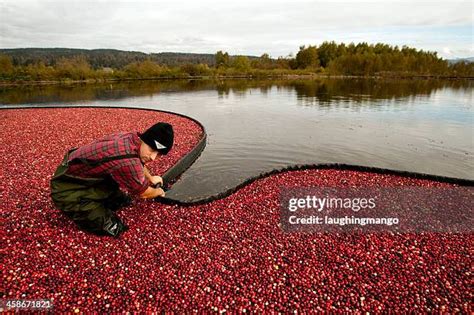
(244, 27)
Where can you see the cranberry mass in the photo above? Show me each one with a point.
(229, 254)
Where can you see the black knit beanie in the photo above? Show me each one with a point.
(159, 137)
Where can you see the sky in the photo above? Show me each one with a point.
(243, 27)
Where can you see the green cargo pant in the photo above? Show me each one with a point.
(87, 201)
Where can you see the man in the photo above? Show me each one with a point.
(87, 184)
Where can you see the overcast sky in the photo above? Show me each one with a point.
(248, 27)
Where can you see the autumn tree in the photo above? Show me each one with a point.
(222, 59)
(40, 71)
(143, 69)
(264, 62)
(241, 63)
(6, 66)
(327, 52)
(196, 70)
(307, 57)
(463, 68)
(75, 68)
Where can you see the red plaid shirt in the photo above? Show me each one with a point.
(128, 172)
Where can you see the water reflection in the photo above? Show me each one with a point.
(321, 92)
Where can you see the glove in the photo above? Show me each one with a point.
(114, 226)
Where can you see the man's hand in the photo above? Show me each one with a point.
(151, 192)
(156, 181)
(161, 192)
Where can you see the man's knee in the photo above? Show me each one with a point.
(117, 200)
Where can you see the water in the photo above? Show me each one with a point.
(256, 126)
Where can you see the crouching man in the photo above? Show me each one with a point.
(88, 185)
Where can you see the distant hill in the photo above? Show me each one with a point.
(99, 58)
(453, 61)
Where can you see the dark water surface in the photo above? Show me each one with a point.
(256, 126)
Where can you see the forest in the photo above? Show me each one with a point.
(329, 58)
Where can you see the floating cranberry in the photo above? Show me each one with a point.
(228, 255)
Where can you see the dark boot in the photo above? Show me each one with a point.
(101, 221)
(114, 226)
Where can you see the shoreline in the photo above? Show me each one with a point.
(249, 77)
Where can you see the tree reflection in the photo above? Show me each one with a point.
(319, 92)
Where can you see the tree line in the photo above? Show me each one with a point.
(329, 58)
(98, 58)
(322, 91)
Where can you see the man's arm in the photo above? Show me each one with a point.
(136, 179)
(147, 173)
